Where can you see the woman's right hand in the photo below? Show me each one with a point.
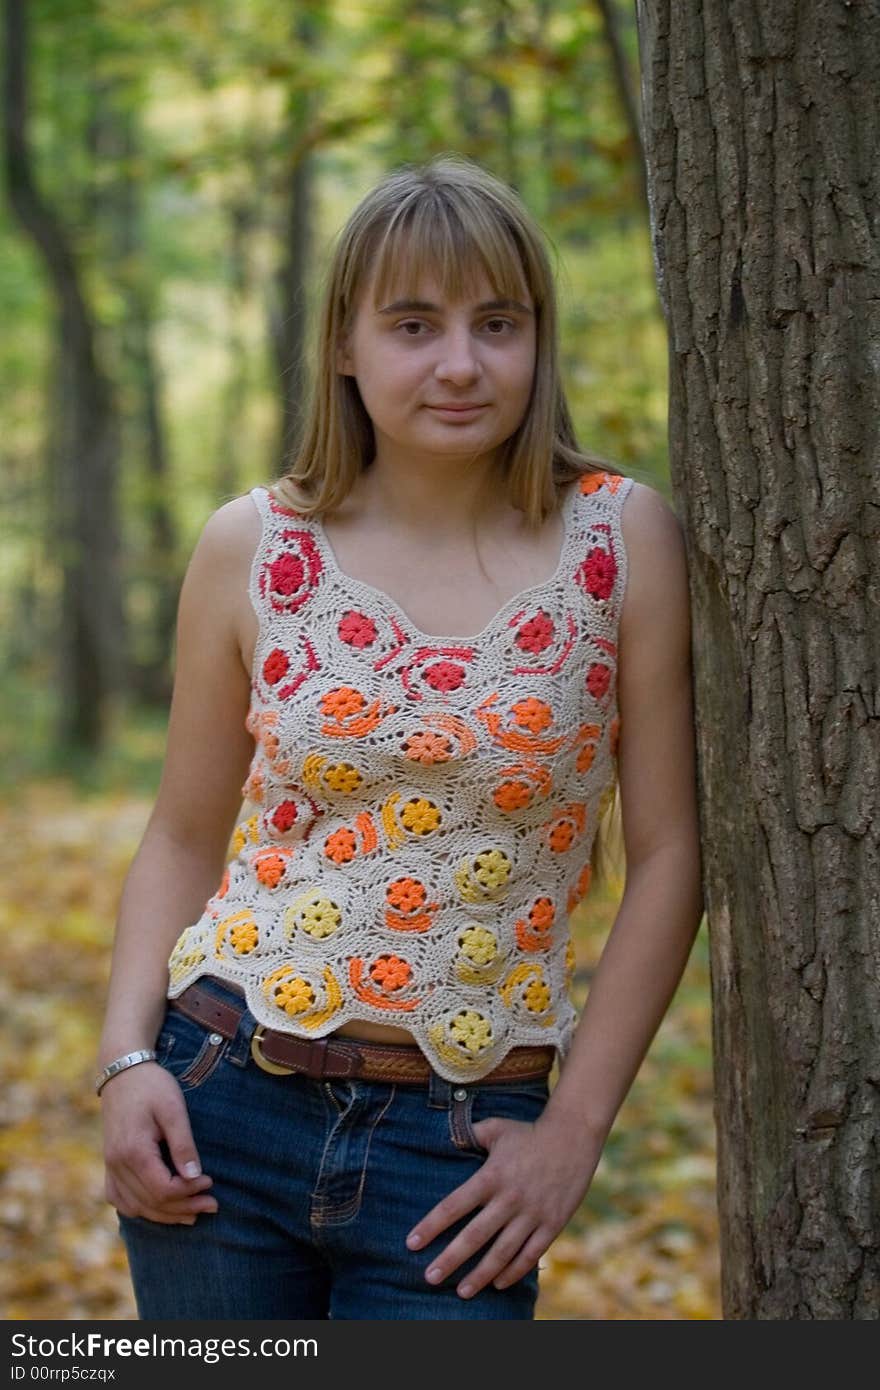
(143, 1106)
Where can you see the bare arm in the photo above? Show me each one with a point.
(535, 1175)
(654, 929)
(180, 859)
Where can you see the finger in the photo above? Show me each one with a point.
(150, 1175)
(527, 1258)
(481, 1229)
(173, 1118)
(127, 1204)
(143, 1172)
(134, 1203)
(504, 1250)
(451, 1208)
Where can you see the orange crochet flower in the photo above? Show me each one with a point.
(561, 836)
(542, 914)
(428, 748)
(585, 757)
(591, 482)
(512, 796)
(269, 866)
(341, 846)
(581, 888)
(342, 702)
(390, 973)
(532, 714)
(407, 894)
(614, 736)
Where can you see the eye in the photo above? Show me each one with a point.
(497, 326)
(411, 323)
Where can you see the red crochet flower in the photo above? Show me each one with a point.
(598, 572)
(598, 678)
(444, 675)
(275, 666)
(357, 629)
(536, 634)
(286, 574)
(284, 815)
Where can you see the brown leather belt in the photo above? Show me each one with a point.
(337, 1057)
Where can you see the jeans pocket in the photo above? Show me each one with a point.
(515, 1100)
(461, 1124)
(189, 1053)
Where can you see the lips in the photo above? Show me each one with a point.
(459, 409)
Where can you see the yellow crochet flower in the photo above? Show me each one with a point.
(342, 777)
(570, 961)
(537, 997)
(471, 1031)
(243, 937)
(246, 833)
(181, 962)
(492, 868)
(294, 996)
(420, 816)
(479, 945)
(320, 917)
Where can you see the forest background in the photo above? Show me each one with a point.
(195, 161)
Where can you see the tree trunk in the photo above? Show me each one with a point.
(626, 93)
(501, 103)
(761, 131)
(229, 449)
(89, 637)
(289, 324)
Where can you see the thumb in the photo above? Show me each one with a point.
(178, 1137)
(487, 1131)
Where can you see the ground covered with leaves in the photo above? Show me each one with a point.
(642, 1246)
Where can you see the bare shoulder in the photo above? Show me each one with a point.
(232, 532)
(216, 583)
(657, 585)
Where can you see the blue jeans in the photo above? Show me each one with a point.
(317, 1185)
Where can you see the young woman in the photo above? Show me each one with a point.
(424, 657)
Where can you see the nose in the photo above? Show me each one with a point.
(458, 361)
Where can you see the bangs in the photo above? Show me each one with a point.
(452, 242)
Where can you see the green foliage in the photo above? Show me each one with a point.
(165, 136)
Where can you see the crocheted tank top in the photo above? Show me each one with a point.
(424, 808)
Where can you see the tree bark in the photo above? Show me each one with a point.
(117, 212)
(761, 131)
(289, 323)
(89, 635)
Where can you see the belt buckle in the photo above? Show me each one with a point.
(257, 1053)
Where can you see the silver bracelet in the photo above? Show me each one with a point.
(130, 1059)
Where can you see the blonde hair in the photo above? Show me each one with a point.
(451, 219)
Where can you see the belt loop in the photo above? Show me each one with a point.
(240, 1047)
(439, 1092)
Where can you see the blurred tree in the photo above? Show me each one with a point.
(117, 220)
(85, 435)
(762, 127)
(288, 321)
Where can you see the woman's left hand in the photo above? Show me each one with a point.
(526, 1190)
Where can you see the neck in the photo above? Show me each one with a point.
(443, 498)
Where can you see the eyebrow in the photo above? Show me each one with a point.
(423, 306)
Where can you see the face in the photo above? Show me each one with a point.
(442, 379)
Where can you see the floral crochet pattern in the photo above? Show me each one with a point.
(420, 810)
